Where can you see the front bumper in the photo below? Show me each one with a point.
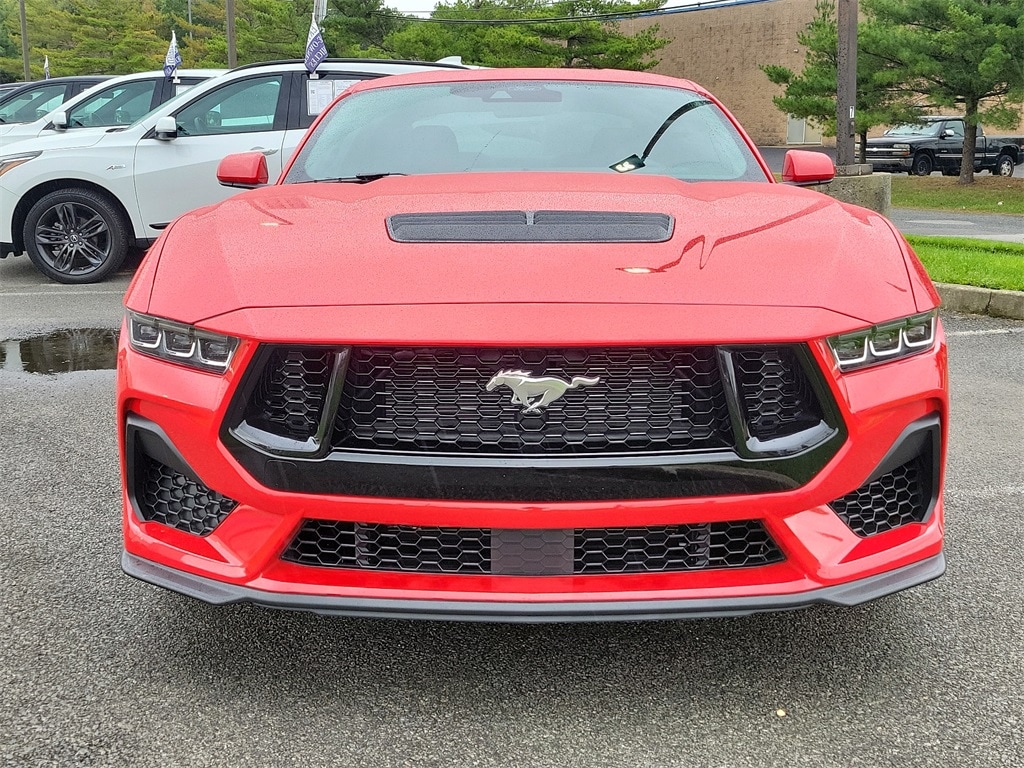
(825, 561)
(890, 164)
(219, 593)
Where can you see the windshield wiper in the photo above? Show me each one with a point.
(633, 162)
(359, 178)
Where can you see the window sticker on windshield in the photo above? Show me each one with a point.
(319, 93)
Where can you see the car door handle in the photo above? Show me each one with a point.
(266, 152)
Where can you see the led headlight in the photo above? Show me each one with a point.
(13, 161)
(884, 342)
(180, 343)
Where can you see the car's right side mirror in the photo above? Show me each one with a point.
(60, 121)
(245, 169)
(806, 167)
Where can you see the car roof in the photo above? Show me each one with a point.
(463, 75)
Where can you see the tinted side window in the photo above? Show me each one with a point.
(244, 106)
(32, 104)
(117, 105)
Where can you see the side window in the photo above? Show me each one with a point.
(32, 104)
(117, 105)
(957, 128)
(320, 93)
(244, 106)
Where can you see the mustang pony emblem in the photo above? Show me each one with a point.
(536, 392)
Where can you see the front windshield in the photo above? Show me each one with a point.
(489, 126)
(912, 129)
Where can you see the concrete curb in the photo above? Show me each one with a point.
(982, 301)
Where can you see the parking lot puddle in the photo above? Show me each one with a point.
(78, 349)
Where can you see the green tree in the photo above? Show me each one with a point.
(585, 43)
(8, 46)
(966, 54)
(358, 28)
(882, 97)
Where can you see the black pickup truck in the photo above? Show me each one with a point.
(937, 144)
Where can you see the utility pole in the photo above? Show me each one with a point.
(24, 40)
(232, 53)
(846, 93)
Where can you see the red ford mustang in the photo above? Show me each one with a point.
(532, 345)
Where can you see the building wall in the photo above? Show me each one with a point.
(723, 49)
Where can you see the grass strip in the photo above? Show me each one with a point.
(982, 263)
(988, 194)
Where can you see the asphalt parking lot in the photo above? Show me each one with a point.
(99, 670)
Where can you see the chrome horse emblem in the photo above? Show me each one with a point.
(536, 392)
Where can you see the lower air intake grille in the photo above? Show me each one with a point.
(896, 498)
(165, 495)
(704, 546)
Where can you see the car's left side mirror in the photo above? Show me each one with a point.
(60, 121)
(246, 170)
(806, 167)
(166, 128)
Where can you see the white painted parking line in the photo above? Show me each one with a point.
(942, 222)
(58, 292)
(986, 332)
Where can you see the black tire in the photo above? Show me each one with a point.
(1004, 166)
(922, 165)
(76, 235)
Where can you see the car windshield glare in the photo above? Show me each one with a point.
(526, 125)
(912, 129)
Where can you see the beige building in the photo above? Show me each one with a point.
(723, 50)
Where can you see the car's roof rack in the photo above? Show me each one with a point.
(443, 64)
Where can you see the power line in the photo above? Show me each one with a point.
(701, 5)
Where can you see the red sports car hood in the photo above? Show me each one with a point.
(319, 245)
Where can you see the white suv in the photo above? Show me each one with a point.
(77, 202)
(118, 101)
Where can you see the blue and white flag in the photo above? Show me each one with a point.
(173, 58)
(316, 51)
(46, 68)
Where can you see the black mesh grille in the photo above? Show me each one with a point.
(166, 496)
(894, 499)
(674, 548)
(290, 394)
(703, 546)
(435, 399)
(391, 547)
(776, 394)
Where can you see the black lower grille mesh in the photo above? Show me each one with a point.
(436, 399)
(895, 499)
(164, 495)
(705, 546)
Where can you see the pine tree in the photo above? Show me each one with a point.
(962, 54)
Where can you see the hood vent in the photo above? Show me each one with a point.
(530, 227)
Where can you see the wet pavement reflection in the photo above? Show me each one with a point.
(78, 349)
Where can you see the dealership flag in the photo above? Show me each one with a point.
(316, 51)
(46, 68)
(173, 58)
